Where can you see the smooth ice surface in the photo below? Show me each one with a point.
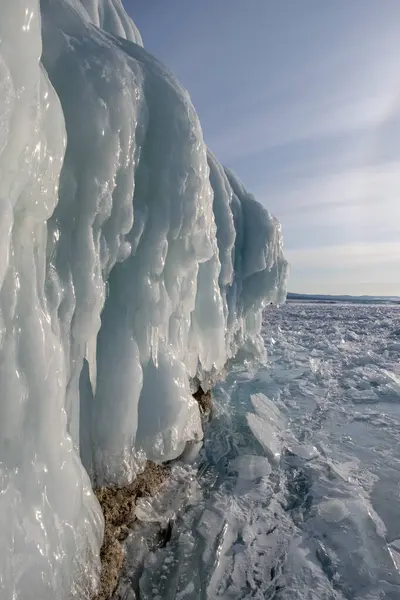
(131, 264)
(267, 425)
(111, 16)
(323, 522)
(250, 466)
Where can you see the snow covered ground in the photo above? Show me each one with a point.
(295, 494)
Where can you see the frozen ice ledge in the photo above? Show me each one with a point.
(131, 264)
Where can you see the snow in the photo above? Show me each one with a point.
(131, 263)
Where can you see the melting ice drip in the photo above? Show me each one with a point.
(130, 262)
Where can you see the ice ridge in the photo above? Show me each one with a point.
(131, 263)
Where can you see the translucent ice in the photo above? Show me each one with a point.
(266, 425)
(130, 263)
(251, 467)
(50, 522)
(268, 437)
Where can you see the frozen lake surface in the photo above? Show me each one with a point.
(295, 493)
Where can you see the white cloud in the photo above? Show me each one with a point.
(348, 256)
(347, 269)
(342, 231)
(301, 121)
(355, 205)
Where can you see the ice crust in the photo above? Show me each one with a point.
(131, 262)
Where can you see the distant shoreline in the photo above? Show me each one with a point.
(327, 299)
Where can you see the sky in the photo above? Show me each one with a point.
(302, 100)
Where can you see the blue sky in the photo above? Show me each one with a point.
(302, 100)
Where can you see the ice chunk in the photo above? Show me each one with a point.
(267, 435)
(267, 425)
(251, 467)
(191, 453)
(394, 551)
(304, 451)
(267, 409)
(333, 510)
(178, 490)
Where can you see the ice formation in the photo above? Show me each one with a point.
(131, 263)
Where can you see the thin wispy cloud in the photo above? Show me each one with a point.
(347, 269)
(336, 100)
(338, 219)
(373, 189)
(304, 120)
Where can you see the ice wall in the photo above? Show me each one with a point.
(50, 524)
(130, 263)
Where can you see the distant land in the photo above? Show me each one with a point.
(327, 299)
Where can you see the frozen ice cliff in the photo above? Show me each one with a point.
(131, 263)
